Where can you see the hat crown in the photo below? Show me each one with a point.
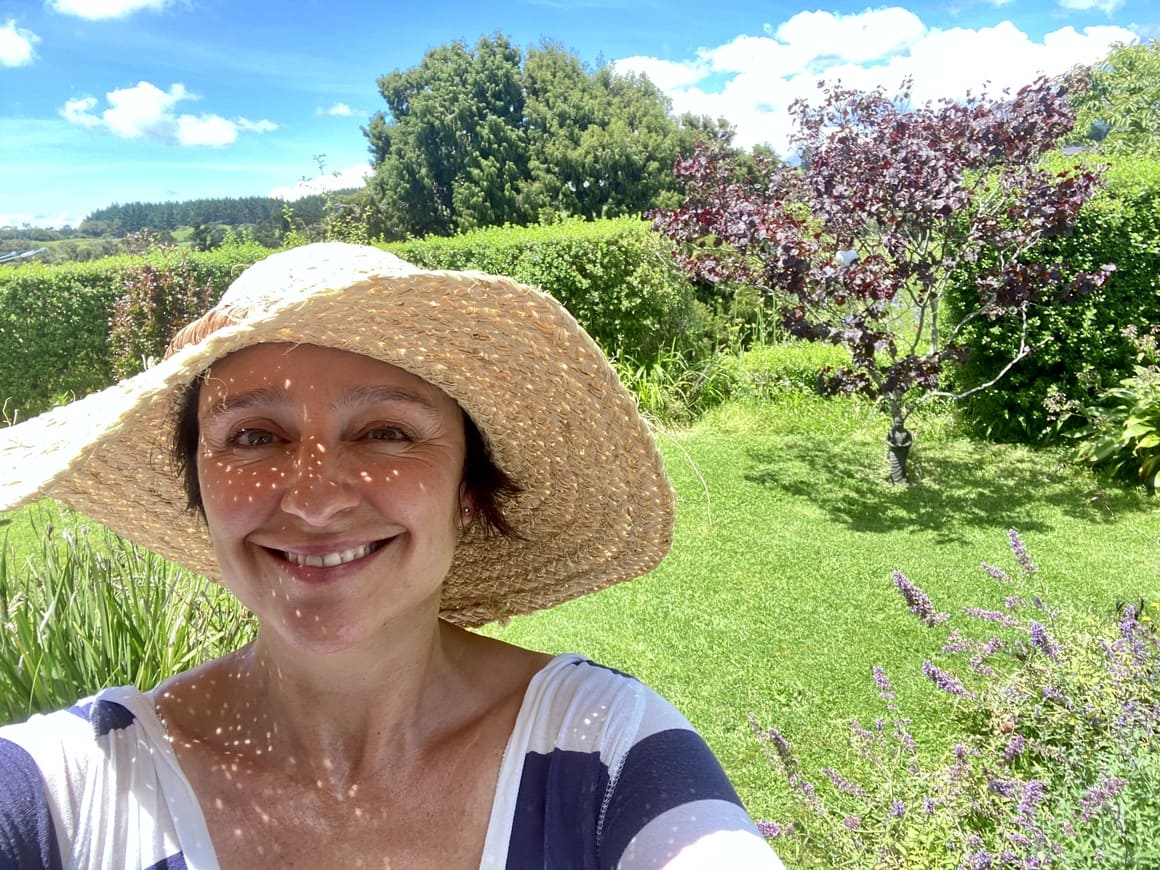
(290, 278)
(301, 272)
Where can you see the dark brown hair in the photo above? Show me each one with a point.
(487, 484)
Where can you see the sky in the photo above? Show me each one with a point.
(116, 101)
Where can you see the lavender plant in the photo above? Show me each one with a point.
(1057, 766)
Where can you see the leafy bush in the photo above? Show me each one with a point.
(54, 333)
(1077, 348)
(89, 610)
(677, 387)
(1058, 765)
(768, 371)
(1122, 432)
(614, 276)
(159, 298)
(55, 320)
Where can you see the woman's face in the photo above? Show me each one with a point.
(332, 485)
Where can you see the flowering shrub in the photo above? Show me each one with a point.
(1058, 765)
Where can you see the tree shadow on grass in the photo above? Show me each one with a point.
(956, 485)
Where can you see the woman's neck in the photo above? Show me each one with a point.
(333, 720)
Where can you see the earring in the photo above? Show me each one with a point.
(466, 510)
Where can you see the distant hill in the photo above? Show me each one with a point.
(120, 219)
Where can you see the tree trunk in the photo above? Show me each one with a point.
(898, 443)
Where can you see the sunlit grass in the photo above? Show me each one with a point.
(777, 597)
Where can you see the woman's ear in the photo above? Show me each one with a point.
(466, 506)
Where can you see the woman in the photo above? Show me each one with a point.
(373, 458)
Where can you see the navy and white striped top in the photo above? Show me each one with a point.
(600, 771)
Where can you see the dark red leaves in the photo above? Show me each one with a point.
(885, 206)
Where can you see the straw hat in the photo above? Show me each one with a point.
(596, 507)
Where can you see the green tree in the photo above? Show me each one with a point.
(1118, 103)
(484, 136)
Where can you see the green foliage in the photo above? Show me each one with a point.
(1057, 764)
(1122, 431)
(258, 211)
(86, 610)
(1120, 105)
(53, 333)
(615, 277)
(766, 372)
(1077, 349)
(55, 320)
(486, 136)
(159, 298)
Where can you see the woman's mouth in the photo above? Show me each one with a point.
(330, 560)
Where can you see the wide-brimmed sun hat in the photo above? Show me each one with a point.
(596, 507)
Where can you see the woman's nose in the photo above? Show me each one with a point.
(317, 489)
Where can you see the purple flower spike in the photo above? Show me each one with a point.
(1098, 795)
(1020, 551)
(842, 784)
(996, 616)
(944, 680)
(998, 573)
(773, 830)
(1014, 749)
(852, 823)
(918, 601)
(897, 809)
(1033, 791)
(1042, 641)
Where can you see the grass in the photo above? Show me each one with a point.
(777, 598)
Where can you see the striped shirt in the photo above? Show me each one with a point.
(599, 772)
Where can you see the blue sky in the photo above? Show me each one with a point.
(105, 101)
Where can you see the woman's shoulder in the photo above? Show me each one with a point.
(51, 760)
(605, 698)
(84, 724)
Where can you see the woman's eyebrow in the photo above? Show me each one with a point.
(249, 399)
(371, 394)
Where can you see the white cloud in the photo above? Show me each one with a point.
(345, 179)
(145, 110)
(79, 112)
(665, 74)
(1105, 6)
(338, 110)
(861, 38)
(97, 9)
(17, 45)
(212, 130)
(262, 126)
(752, 79)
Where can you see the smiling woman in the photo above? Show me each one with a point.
(374, 459)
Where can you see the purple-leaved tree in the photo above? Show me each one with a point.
(860, 239)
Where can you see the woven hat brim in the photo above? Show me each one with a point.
(596, 509)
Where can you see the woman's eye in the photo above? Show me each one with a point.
(388, 433)
(251, 438)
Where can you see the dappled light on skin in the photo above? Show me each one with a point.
(350, 797)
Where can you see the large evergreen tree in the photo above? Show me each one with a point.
(486, 136)
(1117, 100)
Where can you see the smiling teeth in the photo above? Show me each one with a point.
(328, 560)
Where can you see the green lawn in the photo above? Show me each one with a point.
(777, 598)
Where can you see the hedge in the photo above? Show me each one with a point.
(54, 321)
(615, 276)
(1078, 347)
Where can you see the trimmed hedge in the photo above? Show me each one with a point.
(615, 276)
(1078, 347)
(54, 321)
